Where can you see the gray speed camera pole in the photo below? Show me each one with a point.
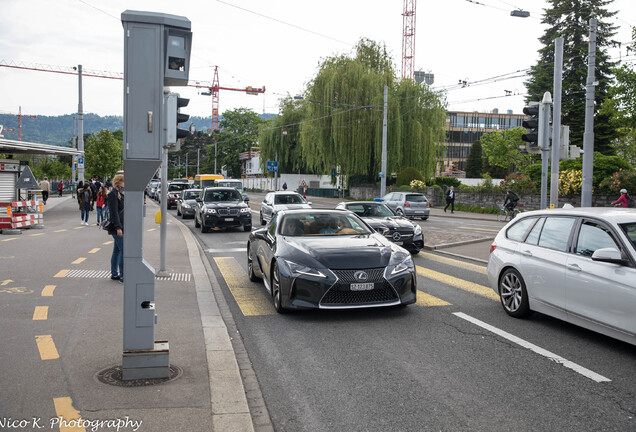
(156, 54)
(588, 135)
(556, 122)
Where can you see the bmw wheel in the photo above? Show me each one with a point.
(513, 294)
(250, 267)
(276, 290)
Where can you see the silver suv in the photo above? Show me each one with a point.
(409, 204)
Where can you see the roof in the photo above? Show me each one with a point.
(612, 214)
(25, 147)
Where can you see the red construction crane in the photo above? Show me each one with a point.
(20, 115)
(212, 87)
(408, 39)
(2, 129)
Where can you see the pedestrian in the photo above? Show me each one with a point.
(100, 201)
(45, 187)
(94, 189)
(109, 184)
(85, 200)
(116, 229)
(60, 188)
(450, 199)
(285, 186)
(623, 200)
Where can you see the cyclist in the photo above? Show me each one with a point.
(511, 201)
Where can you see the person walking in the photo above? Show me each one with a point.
(116, 229)
(450, 199)
(60, 188)
(85, 200)
(45, 187)
(94, 189)
(285, 186)
(623, 200)
(100, 203)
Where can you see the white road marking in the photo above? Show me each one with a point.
(226, 250)
(532, 347)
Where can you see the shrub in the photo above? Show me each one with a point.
(520, 183)
(418, 185)
(570, 182)
(409, 174)
(621, 179)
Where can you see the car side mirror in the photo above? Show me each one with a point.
(309, 202)
(260, 234)
(609, 255)
(198, 199)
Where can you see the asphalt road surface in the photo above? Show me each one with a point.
(453, 361)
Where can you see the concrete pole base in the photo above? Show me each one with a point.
(147, 364)
(163, 273)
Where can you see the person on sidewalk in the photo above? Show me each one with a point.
(116, 230)
(450, 199)
(623, 200)
(100, 201)
(60, 188)
(45, 187)
(85, 200)
(285, 186)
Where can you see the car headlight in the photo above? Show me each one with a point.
(184, 205)
(210, 211)
(417, 230)
(406, 264)
(245, 210)
(303, 269)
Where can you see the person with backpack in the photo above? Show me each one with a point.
(625, 200)
(511, 200)
(116, 229)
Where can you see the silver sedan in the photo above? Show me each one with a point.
(281, 200)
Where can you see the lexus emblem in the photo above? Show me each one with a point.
(361, 275)
(396, 236)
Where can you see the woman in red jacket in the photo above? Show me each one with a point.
(99, 203)
(623, 199)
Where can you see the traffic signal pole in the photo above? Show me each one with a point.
(556, 123)
(588, 135)
(544, 144)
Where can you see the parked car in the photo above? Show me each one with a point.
(398, 229)
(329, 259)
(157, 195)
(408, 204)
(187, 202)
(174, 191)
(281, 200)
(578, 265)
(221, 207)
(151, 185)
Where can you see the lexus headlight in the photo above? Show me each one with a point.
(303, 269)
(245, 210)
(211, 211)
(405, 265)
(417, 230)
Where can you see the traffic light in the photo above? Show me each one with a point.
(531, 123)
(173, 118)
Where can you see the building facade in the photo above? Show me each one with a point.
(464, 128)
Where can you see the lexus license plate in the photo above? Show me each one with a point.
(229, 219)
(362, 286)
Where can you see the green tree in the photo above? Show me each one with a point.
(570, 19)
(102, 154)
(238, 133)
(502, 150)
(474, 162)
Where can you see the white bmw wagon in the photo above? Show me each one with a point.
(578, 265)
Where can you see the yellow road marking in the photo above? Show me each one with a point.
(427, 300)
(40, 313)
(46, 346)
(454, 262)
(458, 283)
(48, 291)
(38, 234)
(480, 229)
(62, 230)
(61, 273)
(94, 250)
(249, 298)
(108, 242)
(10, 239)
(79, 261)
(82, 227)
(64, 408)
(6, 282)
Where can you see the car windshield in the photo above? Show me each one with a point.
(630, 231)
(329, 224)
(371, 210)
(416, 198)
(236, 185)
(174, 187)
(222, 195)
(191, 194)
(289, 199)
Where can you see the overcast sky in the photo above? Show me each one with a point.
(455, 39)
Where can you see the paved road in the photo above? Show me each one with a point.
(435, 365)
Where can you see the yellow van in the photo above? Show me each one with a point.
(206, 180)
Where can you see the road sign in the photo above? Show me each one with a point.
(284, 132)
(272, 166)
(381, 175)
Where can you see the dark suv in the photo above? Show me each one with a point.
(222, 207)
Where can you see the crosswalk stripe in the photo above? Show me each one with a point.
(454, 262)
(94, 250)
(427, 300)
(458, 283)
(48, 291)
(248, 296)
(79, 261)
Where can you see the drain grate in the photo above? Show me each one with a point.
(104, 274)
(112, 376)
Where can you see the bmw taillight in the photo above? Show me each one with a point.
(493, 246)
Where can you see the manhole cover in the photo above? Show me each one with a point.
(112, 376)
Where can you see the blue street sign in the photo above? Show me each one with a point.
(80, 161)
(272, 166)
(381, 175)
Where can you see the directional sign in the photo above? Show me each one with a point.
(80, 165)
(272, 166)
(26, 180)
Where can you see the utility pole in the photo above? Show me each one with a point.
(80, 127)
(384, 126)
(588, 135)
(544, 144)
(164, 212)
(556, 122)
